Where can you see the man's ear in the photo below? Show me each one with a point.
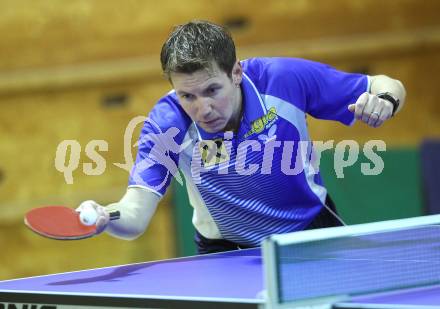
(237, 73)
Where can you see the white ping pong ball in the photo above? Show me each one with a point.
(88, 216)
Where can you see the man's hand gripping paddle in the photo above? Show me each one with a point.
(64, 223)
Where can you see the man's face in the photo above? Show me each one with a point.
(210, 97)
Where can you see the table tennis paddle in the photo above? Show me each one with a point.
(60, 222)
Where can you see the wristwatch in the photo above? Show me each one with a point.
(390, 98)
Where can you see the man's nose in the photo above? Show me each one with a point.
(204, 108)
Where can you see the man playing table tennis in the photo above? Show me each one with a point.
(237, 131)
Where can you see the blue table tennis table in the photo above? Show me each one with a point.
(312, 269)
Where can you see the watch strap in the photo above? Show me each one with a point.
(390, 98)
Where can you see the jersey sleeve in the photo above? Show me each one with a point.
(318, 89)
(158, 147)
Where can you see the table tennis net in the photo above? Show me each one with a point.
(362, 264)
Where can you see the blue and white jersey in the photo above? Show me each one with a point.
(247, 185)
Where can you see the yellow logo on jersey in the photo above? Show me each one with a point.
(263, 122)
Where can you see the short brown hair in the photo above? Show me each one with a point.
(194, 45)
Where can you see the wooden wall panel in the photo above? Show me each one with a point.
(45, 32)
(31, 127)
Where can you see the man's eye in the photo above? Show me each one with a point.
(212, 90)
(187, 96)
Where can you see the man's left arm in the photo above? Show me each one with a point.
(385, 98)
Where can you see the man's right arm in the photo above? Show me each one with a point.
(136, 209)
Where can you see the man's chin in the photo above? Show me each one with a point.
(213, 128)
